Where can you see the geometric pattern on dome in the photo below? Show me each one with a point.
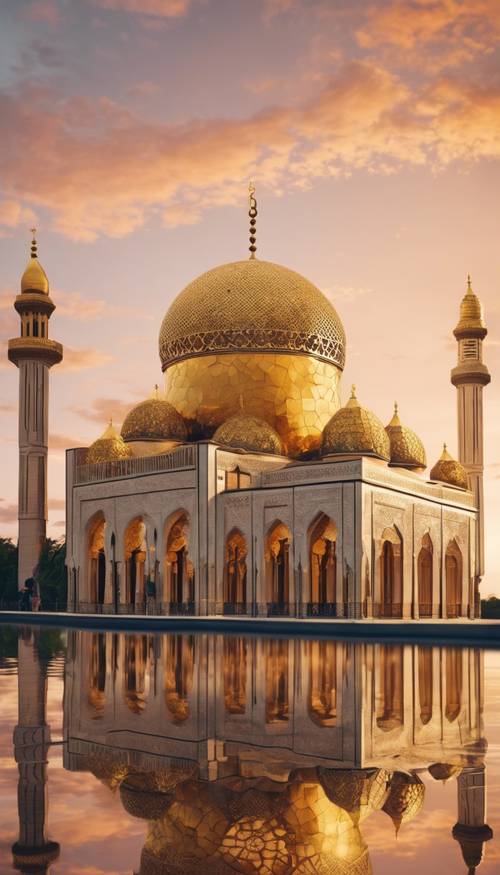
(407, 450)
(252, 306)
(110, 447)
(249, 433)
(449, 470)
(471, 311)
(353, 429)
(153, 420)
(406, 798)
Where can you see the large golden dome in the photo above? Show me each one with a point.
(353, 429)
(407, 450)
(260, 331)
(449, 470)
(246, 432)
(153, 420)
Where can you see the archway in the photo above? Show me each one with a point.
(323, 567)
(178, 681)
(277, 558)
(322, 700)
(97, 681)
(235, 573)
(453, 575)
(136, 656)
(179, 570)
(425, 683)
(390, 705)
(391, 574)
(454, 680)
(135, 552)
(276, 661)
(235, 674)
(424, 574)
(96, 560)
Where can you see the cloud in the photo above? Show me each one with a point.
(104, 409)
(7, 408)
(143, 89)
(80, 359)
(42, 11)
(13, 214)
(107, 171)
(74, 304)
(8, 512)
(156, 8)
(56, 504)
(63, 442)
(346, 294)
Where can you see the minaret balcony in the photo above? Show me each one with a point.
(34, 302)
(50, 352)
(470, 372)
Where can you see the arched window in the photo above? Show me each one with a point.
(454, 679)
(277, 558)
(96, 560)
(235, 573)
(391, 574)
(179, 570)
(322, 702)
(390, 706)
(453, 574)
(136, 653)
(178, 682)
(323, 566)
(97, 686)
(425, 683)
(276, 661)
(235, 675)
(135, 559)
(424, 570)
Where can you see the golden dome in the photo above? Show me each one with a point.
(245, 432)
(407, 450)
(34, 278)
(444, 771)
(251, 306)
(471, 311)
(406, 798)
(110, 447)
(143, 798)
(153, 420)
(353, 429)
(448, 470)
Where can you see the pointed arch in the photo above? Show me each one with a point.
(235, 674)
(276, 652)
(178, 678)
(425, 683)
(322, 545)
(179, 574)
(135, 553)
(278, 568)
(390, 704)
(97, 680)
(391, 573)
(96, 559)
(425, 577)
(453, 577)
(235, 573)
(454, 681)
(136, 657)
(322, 698)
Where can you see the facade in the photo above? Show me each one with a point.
(281, 748)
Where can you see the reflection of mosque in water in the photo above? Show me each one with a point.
(266, 755)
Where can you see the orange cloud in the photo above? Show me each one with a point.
(158, 8)
(8, 512)
(103, 409)
(80, 359)
(129, 169)
(62, 442)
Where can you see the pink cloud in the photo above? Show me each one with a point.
(158, 8)
(8, 512)
(13, 214)
(80, 359)
(103, 409)
(43, 10)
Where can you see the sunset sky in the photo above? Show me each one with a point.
(130, 129)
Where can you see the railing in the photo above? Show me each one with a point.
(278, 609)
(236, 609)
(175, 460)
(388, 612)
(58, 606)
(424, 610)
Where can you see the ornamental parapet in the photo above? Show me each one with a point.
(175, 460)
(50, 352)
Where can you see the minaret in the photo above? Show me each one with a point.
(33, 852)
(469, 376)
(34, 354)
(471, 831)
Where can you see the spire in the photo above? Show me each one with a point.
(395, 421)
(353, 401)
(252, 212)
(33, 243)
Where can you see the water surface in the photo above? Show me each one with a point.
(158, 754)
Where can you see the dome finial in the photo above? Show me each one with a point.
(469, 283)
(353, 392)
(33, 243)
(252, 212)
(395, 408)
(156, 387)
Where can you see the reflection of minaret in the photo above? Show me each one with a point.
(471, 831)
(34, 354)
(33, 853)
(469, 376)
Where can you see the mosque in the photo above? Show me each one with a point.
(245, 486)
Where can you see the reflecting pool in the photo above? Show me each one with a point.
(179, 753)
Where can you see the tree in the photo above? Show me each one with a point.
(51, 573)
(8, 571)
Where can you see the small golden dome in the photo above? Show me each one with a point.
(444, 771)
(34, 278)
(406, 798)
(110, 447)
(245, 432)
(471, 311)
(353, 429)
(251, 306)
(143, 798)
(448, 470)
(154, 420)
(407, 450)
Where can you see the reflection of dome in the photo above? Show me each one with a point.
(355, 790)
(142, 797)
(448, 470)
(110, 447)
(406, 797)
(471, 313)
(407, 450)
(444, 771)
(153, 420)
(260, 330)
(471, 840)
(353, 429)
(246, 432)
